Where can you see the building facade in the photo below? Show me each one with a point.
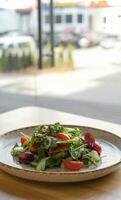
(70, 18)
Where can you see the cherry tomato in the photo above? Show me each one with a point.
(97, 147)
(62, 136)
(59, 148)
(73, 165)
(23, 139)
(89, 138)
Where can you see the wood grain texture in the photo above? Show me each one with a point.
(106, 188)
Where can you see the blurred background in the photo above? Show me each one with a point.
(62, 55)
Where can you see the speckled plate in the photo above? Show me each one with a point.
(111, 158)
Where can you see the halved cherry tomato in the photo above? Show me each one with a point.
(73, 165)
(97, 147)
(89, 138)
(23, 139)
(62, 136)
(59, 148)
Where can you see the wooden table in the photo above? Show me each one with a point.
(12, 188)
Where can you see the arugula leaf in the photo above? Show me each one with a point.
(45, 141)
(75, 132)
(55, 160)
(74, 140)
(76, 151)
(40, 129)
(57, 128)
(41, 153)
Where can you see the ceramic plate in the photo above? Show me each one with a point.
(111, 158)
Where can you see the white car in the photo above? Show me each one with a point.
(109, 41)
(19, 42)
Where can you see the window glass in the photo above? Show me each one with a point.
(58, 19)
(1, 46)
(24, 44)
(79, 18)
(69, 18)
(12, 45)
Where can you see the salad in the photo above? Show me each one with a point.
(56, 146)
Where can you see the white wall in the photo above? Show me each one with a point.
(8, 20)
(113, 21)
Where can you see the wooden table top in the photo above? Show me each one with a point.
(13, 188)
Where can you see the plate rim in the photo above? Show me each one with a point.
(60, 172)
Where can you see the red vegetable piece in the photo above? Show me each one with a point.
(62, 136)
(97, 147)
(73, 165)
(89, 138)
(26, 157)
(23, 139)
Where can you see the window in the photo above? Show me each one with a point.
(11, 46)
(68, 18)
(104, 19)
(1, 46)
(79, 18)
(24, 45)
(58, 19)
(47, 19)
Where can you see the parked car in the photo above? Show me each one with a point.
(84, 42)
(19, 42)
(61, 38)
(17, 52)
(89, 39)
(76, 39)
(11, 33)
(109, 41)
